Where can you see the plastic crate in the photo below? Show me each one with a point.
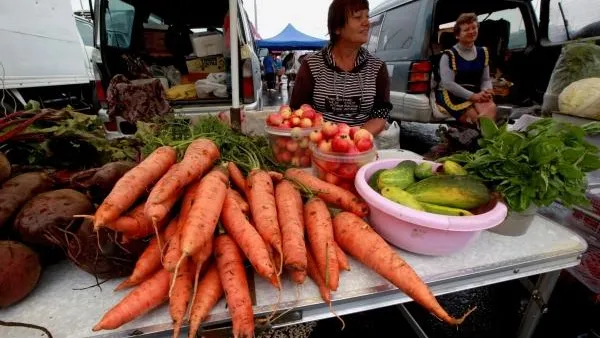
(588, 272)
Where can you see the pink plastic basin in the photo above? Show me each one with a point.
(418, 231)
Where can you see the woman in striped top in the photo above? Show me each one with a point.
(343, 80)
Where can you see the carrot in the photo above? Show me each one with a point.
(133, 184)
(248, 239)
(341, 258)
(275, 176)
(315, 275)
(147, 296)
(201, 220)
(319, 229)
(264, 209)
(199, 156)
(237, 177)
(134, 224)
(149, 261)
(173, 253)
(180, 295)
(357, 238)
(291, 220)
(298, 276)
(241, 201)
(209, 292)
(330, 193)
(199, 258)
(230, 266)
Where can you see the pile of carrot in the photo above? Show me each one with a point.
(206, 218)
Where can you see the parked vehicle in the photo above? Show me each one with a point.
(411, 35)
(42, 56)
(123, 29)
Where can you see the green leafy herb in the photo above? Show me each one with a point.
(246, 151)
(545, 163)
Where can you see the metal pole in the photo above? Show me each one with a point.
(235, 111)
(255, 17)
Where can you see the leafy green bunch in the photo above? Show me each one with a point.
(246, 151)
(546, 162)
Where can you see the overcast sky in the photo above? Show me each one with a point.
(308, 16)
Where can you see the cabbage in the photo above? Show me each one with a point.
(581, 98)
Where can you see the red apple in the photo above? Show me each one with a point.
(362, 134)
(364, 144)
(303, 143)
(286, 124)
(285, 112)
(329, 129)
(353, 149)
(295, 121)
(275, 119)
(305, 161)
(296, 133)
(325, 146)
(281, 142)
(306, 106)
(285, 157)
(331, 178)
(331, 166)
(309, 114)
(353, 131)
(291, 146)
(316, 136)
(341, 143)
(284, 107)
(318, 120)
(347, 170)
(343, 129)
(298, 112)
(306, 122)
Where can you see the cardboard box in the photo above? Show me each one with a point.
(206, 64)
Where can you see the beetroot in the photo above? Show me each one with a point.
(5, 168)
(19, 272)
(100, 254)
(100, 181)
(18, 190)
(47, 218)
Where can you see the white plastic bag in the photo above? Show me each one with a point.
(204, 88)
(581, 98)
(389, 138)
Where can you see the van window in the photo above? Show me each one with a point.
(517, 35)
(119, 23)
(517, 38)
(398, 27)
(577, 15)
(375, 26)
(86, 31)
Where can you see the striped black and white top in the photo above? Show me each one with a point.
(351, 97)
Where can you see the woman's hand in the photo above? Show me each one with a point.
(481, 97)
(375, 126)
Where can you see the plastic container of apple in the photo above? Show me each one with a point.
(338, 151)
(289, 131)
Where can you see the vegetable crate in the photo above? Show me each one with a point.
(588, 272)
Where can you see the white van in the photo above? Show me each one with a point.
(42, 56)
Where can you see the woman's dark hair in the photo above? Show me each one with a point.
(339, 10)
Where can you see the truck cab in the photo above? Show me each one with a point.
(524, 38)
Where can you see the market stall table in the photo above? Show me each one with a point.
(545, 249)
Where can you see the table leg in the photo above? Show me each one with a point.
(412, 321)
(537, 304)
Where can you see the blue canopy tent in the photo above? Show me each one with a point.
(291, 39)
